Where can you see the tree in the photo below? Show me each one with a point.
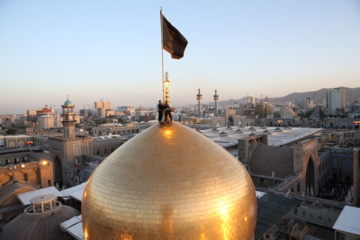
(11, 131)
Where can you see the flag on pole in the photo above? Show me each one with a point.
(173, 41)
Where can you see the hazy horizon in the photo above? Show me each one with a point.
(111, 50)
(78, 107)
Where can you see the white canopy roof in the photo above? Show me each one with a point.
(71, 222)
(26, 197)
(73, 226)
(348, 221)
(78, 195)
(67, 192)
(259, 194)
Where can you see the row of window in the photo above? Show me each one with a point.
(104, 152)
(14, 160)
(349, 135)
(120, 132)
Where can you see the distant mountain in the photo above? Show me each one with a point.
(318, 97)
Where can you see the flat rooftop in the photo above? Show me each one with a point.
(277, 136)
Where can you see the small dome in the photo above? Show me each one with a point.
(215, 130)
(238, 131)
(40, 226)
(68, 103)
(252, 129)
(267, 132)
(181, 185)
(278, 129)
(223, 134)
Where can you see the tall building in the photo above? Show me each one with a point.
(335, 99)
(305, 103)
(199, 98)
(68, 151)
(102, 108)
(84, 112)
(102, 104)
(129, 110)
(262, 109)
(43, 111)
(216, 99)
(69, 119)
(46, 122)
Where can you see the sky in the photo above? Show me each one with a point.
(111, 50)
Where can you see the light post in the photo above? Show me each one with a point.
(166, 87)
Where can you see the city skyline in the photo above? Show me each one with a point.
(112, 51)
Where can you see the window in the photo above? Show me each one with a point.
(77, 161)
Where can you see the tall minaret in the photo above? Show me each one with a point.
(199, 98)
(69, 119)
(216, 98)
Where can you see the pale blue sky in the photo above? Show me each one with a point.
(111, 50)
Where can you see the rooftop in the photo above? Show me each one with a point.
(276, 138)
(348, 221)
(26, 197)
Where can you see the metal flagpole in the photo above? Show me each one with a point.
(162, 52)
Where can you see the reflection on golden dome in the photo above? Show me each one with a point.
(169, 182)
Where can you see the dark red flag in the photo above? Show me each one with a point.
(173, 41)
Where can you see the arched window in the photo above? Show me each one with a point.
(105, 151)
(310, 177)
(298, 188)
(98, 153)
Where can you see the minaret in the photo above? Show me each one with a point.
(199, 98)
(216, 98)
(69, 119)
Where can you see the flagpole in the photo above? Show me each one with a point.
(162, 52)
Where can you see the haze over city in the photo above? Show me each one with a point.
(111, 50)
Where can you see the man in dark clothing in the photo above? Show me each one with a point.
(160, 110)
(167, 110)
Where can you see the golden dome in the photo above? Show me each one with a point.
(169, 182)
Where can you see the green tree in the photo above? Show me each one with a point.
(11, 131)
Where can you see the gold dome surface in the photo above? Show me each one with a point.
(169, 182)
